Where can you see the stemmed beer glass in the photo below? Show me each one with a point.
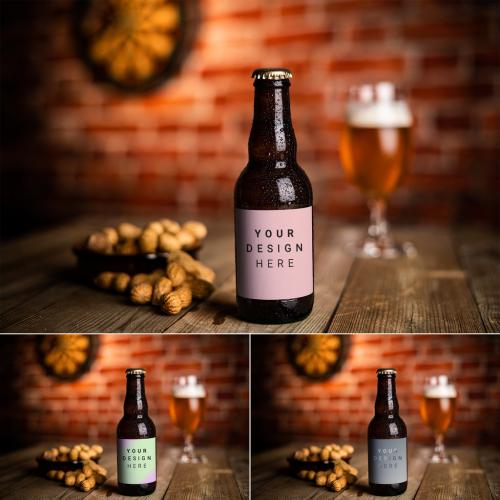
(375, 151)
(187, 408)
(437, 409)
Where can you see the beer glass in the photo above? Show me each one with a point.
(375, 151)
(186, 408)
(437, 409)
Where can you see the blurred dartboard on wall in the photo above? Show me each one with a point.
(135, 45)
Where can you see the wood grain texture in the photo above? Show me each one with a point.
(428, 293)
(490, 462)
(479, 254)
(463, 480)
(453, 285)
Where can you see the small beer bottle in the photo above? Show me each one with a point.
(136, 440)
(273, 212)
(387, 440)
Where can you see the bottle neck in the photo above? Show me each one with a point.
(272, 139)
(387, 400)
(135, 404)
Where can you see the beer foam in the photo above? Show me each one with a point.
(189, 391)
(379, 114)
(440, 391)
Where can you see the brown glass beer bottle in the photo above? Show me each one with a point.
(136, 440)
(387, 440)
(273, 213)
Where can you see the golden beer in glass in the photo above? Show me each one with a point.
(437, 409)
(375, 151)
(186, 409)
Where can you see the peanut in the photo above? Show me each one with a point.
(311, 475)
(87, 484)
(339, 484)
(139, 278)
(161, 288)
(171, 303)
(198, 229)
(148, 241)
(112, 234)
(141, 293)
(60, 475)
(104, 280)
(121, 282)
(170, 226)
(168, 243)
(51, 474)
(99, 242)
(185, 294)
(128, 231)
(320, 480)
(156, 226)
(186, 238)
(176, 274)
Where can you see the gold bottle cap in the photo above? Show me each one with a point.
(135, 371)
(272, 74)
(386, 371)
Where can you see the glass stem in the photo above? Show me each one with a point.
(379, 228)
(188, 445)
(439, 449)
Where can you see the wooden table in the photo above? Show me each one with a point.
(224, 477)
(476, 476)
(453, 285)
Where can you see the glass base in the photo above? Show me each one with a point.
(374, 249)
(192, 458)
(438, 458)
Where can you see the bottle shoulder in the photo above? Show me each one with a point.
(263, 187)
(135, 428)
(387, 427)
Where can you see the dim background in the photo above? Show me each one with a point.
(288, 408)
(36, 407)
(74, 146)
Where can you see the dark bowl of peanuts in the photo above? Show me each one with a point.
(325, 466)
(155, 265)
(74, 466)
(132, 249)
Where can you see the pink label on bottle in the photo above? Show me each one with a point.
(274, 253)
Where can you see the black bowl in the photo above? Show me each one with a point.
(92, 263)
(298, 465)
(45, 465)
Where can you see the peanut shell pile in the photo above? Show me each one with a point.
(339, 474)
(163, 235)
(171, 289)
(88, 477)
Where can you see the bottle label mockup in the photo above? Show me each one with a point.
(136, 461)
(387, 462)
(274, 253)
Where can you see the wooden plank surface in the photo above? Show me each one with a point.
(479, 253)
(19, 478)
(426, 293)
(452, 285)
(466, 479)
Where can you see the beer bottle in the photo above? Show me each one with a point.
(387, 439)
(273, 212)
(136, 440)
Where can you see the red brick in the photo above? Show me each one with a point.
(355, 64)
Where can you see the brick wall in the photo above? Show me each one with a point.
(286, 407)
(71, 145)
(36, 407)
